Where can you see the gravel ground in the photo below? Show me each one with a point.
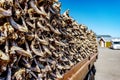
(108, 64)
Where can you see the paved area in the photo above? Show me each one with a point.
(108, 64)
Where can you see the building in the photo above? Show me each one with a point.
(105, 41)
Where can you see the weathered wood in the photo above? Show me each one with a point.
(80, 70)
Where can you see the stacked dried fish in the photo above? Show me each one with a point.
(38, 43)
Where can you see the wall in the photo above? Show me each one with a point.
(108, 44)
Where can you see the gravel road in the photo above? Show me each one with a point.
(108, 64)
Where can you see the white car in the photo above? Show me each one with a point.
(115, 44)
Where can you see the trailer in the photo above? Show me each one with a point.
(37, 42)
(84, 70)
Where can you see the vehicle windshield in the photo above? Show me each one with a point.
(116, 42)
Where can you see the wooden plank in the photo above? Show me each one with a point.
(81, 73)
(74, 69)
(80, 70)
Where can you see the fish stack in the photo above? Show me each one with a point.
(38, 43)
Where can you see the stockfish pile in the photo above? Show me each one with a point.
(38, 43)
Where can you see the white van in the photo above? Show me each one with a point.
(115, 43)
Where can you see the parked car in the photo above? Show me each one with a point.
(115, 43)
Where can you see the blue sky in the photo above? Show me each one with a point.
(102, 16)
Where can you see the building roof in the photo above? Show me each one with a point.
(106, 39)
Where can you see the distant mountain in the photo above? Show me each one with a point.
(99, 36)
